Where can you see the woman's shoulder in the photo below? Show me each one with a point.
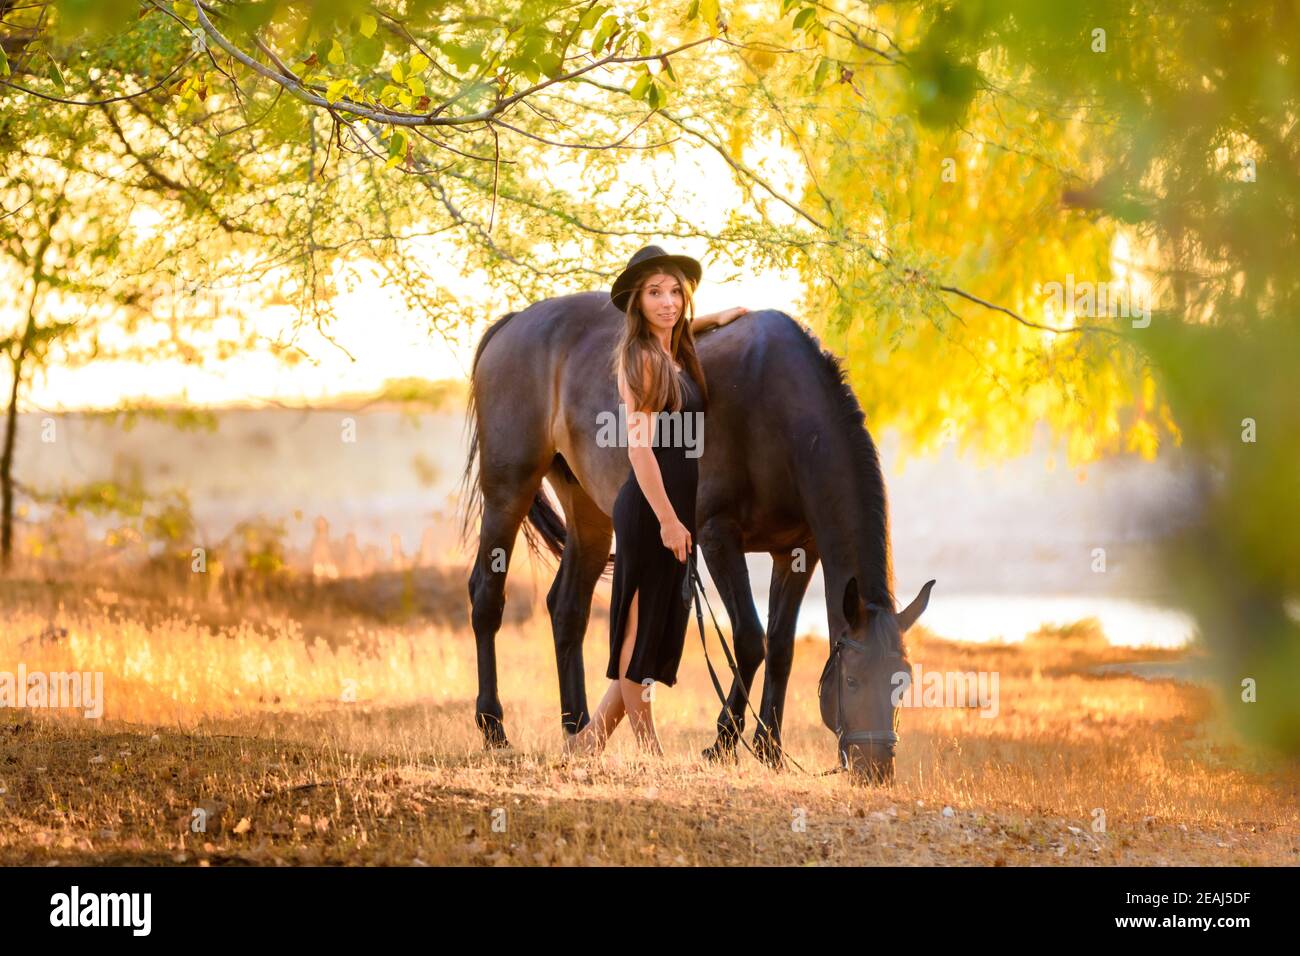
(640, 369)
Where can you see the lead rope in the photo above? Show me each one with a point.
(693, 587)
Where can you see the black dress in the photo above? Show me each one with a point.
(642, 564)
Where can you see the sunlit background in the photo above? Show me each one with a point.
(1013, 545)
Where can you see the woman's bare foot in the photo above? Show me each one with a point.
(584, 742)
(648, 745)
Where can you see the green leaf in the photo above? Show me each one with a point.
(823, 68)
(639, 88)
(600, 37)
(368, 25)
(655, 96)
(806, 15)
(368, 51)
(4, 62)
(252, 17)
(464, 58)
(336, 55)
(396, 148)
(57, 76)
(533, 46)
(590, 17)
(550, 64)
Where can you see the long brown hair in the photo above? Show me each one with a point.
(638, 345)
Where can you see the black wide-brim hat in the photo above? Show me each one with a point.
(644, 259)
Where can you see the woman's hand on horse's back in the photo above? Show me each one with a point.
(676, 538)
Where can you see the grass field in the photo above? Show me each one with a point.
(308, 738)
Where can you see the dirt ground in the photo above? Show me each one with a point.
(317, 740)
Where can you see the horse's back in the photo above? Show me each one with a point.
(768, 388)
(541, 336)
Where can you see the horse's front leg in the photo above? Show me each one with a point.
(791, 573)
(720, 544)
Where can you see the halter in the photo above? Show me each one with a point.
(888, 738)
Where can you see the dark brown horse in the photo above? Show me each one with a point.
(788, 467)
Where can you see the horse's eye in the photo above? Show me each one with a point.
(851, 681)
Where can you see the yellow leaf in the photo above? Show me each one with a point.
(368, 25)
(416, 85)
(709, 13)
(397, 73)
(335, 90)
(336, 53)
(419, 63)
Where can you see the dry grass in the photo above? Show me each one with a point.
(249, 724)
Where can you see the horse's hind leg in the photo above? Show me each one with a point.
(586, 552)
(504, 508)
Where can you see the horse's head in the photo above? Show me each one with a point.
(857, 687)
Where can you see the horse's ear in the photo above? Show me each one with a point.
(852, 604)
(907, 617)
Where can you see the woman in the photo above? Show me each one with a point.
(654, 514)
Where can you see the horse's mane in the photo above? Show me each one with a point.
(849, 413)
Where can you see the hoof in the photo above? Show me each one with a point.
(494, 733)
(768, 751)
(719, 753)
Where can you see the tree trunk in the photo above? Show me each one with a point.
(7, 468)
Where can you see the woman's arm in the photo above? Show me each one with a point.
(640, 432)
(713, 320)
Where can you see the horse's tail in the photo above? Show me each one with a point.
(471, 488)
(548, 523)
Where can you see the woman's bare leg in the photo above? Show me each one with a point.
(610, 710)
(638, 701)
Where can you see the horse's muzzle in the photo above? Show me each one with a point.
(869, 763)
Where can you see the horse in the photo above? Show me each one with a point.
(788, 467)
